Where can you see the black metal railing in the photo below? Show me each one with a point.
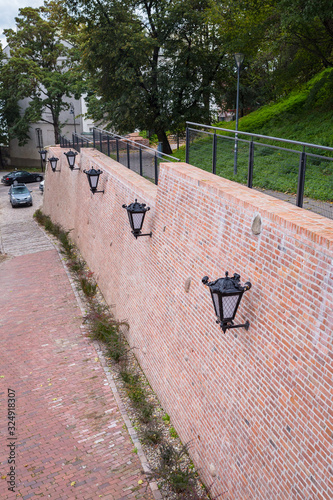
(77, 142)
(213, 148)
(134, 155)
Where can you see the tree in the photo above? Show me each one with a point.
(309, 26)
(153, 64)
(39, 68)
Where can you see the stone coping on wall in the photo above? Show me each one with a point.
(313, 226)
(298, 220)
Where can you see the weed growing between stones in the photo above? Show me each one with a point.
(168, 459)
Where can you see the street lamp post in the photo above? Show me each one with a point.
(73, 113)
(42, 153)
(239, 58)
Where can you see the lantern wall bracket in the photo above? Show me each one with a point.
(227, 326)
(140, 234)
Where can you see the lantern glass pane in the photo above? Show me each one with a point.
(229, 304)
(239, 58)
(215, 297)
(71, 160)
(130, 219)
(93, 179)
(53, 164)
(137, 220)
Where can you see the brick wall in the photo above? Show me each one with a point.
(257, 408)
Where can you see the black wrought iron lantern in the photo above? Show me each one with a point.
(136, 214)
(53, 162)
(71, 155)
(93, 178)
(43, 153)
(227, 294)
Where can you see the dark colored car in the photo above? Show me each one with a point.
(21, 176)
(19, 194)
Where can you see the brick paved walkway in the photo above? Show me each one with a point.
(71, 441)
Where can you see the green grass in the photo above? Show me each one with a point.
(305, 115)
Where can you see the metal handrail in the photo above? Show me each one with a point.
(303, 144)
(301, 152)
(83, 138)
(328, 158)
(138, 144)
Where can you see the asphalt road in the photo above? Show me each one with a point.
(19, 233)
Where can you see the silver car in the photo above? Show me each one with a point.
(19, 194)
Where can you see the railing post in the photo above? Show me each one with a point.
(128, 155)
(214, 154)
(108, 145)
(73, 140)
(251, 161)
(94, 140)
(100, 141)
(187, 147)
(140, 156)
(117, 148)
(156, 169)
(301, 179)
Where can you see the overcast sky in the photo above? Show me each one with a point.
(9, 10)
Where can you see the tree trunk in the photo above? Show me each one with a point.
(56, 131)
(162, 137)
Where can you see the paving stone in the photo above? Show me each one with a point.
(66, 415)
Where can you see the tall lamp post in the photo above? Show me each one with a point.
(71, 110)
(239, 58)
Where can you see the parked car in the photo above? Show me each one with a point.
(21, 176)
(19, 194)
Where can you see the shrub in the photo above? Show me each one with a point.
(151, 435)
(88, 287)
(76, 265)
(174, 471)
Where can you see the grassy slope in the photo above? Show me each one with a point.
(305, 115)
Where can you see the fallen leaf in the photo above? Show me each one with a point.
(54, 399)
(3, 477)
(73, 483)
(140, 481)
(96, 359)
(2, 376)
